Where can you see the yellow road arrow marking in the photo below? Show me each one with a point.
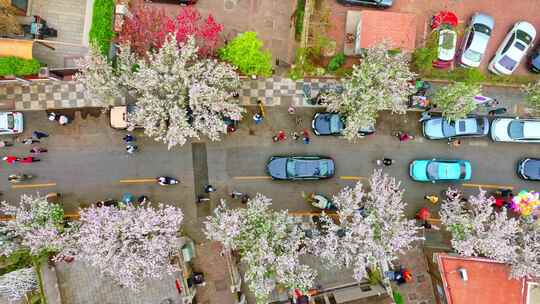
(33, 186)
(352, 177)
(488, 186)
(139, 180)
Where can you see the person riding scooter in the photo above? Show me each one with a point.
(14, 178)
(164, 181)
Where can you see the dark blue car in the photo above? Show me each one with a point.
(300, 167)
(326, 123)
(529, 168)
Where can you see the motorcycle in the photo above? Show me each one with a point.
(320, 201)
(14, 178)
(165, 180)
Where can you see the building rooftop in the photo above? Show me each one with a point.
(487, 282)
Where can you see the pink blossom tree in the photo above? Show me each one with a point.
(129, 244)
(370, 230)
(269, 242)
(16, 284)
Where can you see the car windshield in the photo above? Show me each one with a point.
(10, 121)
(507, 62)
(448, 128)
(335, 124)
(480, 125)
(291, 172)
(521, 35)
(482, 29)
(515, 129)
(433, 170)
(520, 46)
(323, 168)
(473, 55)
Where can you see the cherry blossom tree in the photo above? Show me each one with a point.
(269, 242)
(16, 284)
(532, 95)
(129, 244)
(370, 230)
(180, 95)
(479, 229)
(147, 28)
(36, 225)
(382, 81)
(456, 100)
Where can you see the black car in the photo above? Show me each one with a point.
(534, 61)
(375, 3)
(326, 123)
(529, 168)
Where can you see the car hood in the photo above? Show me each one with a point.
(479, 43)
(499, 129)
(433, 128)
(418, 170)
(277, 168)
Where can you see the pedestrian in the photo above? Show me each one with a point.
(209, 189)
(387, 161)
(425, 116)
(455, 143)
(305, 137)
(244, 199)
(39, 135)
(52, 116)
(37, 150)
(4, 143)
(257, 118)
(428, 226)
(131, 148)
(295, 135)
(281, 135)
(235, 95)
(128, 138)
(497, 111)
(142, 199)
(29, 141)
(63, 120)
(11, 159)
(404, 137)
(236, 194)
(434, 199)
(29, 159)
(291, 110)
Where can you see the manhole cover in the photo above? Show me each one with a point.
(230, 4)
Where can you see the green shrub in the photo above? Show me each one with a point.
(422, 58)
(299, 19)
(336, 62)
(18, 66)
(303, 66)
(244, 52)
(101, 31)
(398, 298)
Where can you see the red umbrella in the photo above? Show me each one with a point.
(444, 17)
(423, 214)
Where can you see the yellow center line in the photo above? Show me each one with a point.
(138, 180)
(33, 186)
(345, 177)
(488, 186)
(251, 177)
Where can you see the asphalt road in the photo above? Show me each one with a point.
(87, 162)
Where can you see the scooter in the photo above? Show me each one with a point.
(320, 201)
(165, 181)
(14, 178)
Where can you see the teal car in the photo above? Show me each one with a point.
(440, 170)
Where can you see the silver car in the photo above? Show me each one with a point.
(516, 130)
(439, 128)
(476, 40)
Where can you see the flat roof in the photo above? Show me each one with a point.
(399, 29)
(488, 281)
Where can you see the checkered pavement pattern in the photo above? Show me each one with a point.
(44, 95)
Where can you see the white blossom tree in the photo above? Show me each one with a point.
(269, 243)
(382, 81)
(129, 244)
(478, 229)
(456, 100)
(36, 225)
(532, 95)
(16, 284)
(371, 228)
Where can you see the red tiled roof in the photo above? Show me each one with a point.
(399, 29)
(487, 283)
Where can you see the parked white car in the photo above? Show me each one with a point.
(516, 130)
(11, 123)
(447, 45)
(476, 40)
(513, 48)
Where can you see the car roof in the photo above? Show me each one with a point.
(531, 129)
(466, 126)
(449, 170)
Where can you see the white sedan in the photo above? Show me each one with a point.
(513, 48)
(11, 123)
(515, 130)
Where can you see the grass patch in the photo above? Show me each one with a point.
(101, 31)
(299, 19)
(18, 66)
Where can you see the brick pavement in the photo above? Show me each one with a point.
(69, 94)
(419, 290)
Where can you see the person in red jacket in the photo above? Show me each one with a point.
(29, 159)
(11, 159)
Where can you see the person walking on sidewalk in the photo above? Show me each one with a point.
(257, 118)
(38, 150)
(434, 199)
(29, 160)
(39, 135)
(131, 148)
(209, 189)
(387, 162)
(305, 137)
(10, 159)
(291, 110)
(29, 141)
(63, 120)
(128, 138)
(4, 144)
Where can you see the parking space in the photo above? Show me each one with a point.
(505, 13)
